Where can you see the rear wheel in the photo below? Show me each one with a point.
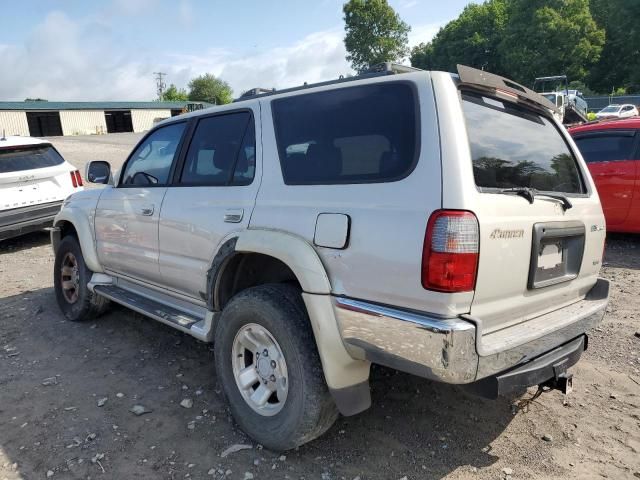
(70, 280)
(269, 368)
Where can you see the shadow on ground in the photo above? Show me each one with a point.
(24, 242)
(415, 427)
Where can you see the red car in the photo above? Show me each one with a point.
(612, 152)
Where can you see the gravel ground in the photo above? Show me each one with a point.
(54, 375)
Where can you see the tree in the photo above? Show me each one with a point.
(549, 37)
(375, 33)
(175, 94)
(208, 88)
(619, 64)
(472, 39)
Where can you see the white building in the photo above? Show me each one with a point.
(45, 119)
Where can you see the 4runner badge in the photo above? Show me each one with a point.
(497, 233)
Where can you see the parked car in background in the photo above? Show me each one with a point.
(612, 152)
(34, 181)
(618, 111)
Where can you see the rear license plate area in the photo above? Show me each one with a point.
(556, 253)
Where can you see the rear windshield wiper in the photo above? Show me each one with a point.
(531, 193)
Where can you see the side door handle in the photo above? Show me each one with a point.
(146, 210)
(233, 215)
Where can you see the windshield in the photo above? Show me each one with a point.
(610, 109)
(28, 158)
(515, 147)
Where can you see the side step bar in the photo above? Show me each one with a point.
(200, 328)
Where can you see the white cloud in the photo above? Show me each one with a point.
(423, 33)
(63, 59)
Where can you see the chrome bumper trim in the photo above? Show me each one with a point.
(444, 349)
(430, 347)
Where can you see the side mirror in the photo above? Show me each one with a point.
(98, 171)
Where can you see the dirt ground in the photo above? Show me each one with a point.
(54, 374)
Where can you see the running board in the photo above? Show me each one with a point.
(200, 328)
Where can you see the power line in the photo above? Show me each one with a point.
(160, 85)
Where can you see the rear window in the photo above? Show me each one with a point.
(361, 134)
(606, 147)
(515, 147)
(28, 158)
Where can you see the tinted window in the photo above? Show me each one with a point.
(221, 145)
(606, 147)
(515, 147)
(28, 158)
(351, 135)
(151, 162)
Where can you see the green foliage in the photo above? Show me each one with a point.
(581, 87)
(472, 39)
(550, 37)
(520, 39)
(175, 94)
(375, 33)
(208, 88)
(619, 64)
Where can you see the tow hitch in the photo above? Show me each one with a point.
(563, 382)
(549, 372)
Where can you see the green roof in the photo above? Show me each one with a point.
(42, 105)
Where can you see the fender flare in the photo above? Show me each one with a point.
(78, 218)
(295, 252)
(346, 377)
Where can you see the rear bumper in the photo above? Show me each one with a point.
(19, 221)
(446, 350)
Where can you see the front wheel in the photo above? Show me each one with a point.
(269, 367)
(70, 279)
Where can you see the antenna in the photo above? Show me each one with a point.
(160, 85)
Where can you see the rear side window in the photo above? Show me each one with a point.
(361, 134)
(606, 147)
(28, 158)
(222, 151)
(515, 147)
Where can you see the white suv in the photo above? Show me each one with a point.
(443, 225)
(34, 180)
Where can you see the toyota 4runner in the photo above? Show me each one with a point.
(443, 225)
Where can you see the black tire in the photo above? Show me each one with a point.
(309, 410)
(87, 305)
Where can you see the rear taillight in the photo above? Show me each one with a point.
(76, 179)
(450, 251)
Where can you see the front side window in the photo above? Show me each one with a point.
(222, 151)
(28, 158)
(151, 162)
(607, 147)
(362, 134)
(515, 147)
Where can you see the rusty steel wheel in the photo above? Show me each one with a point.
(70, 278)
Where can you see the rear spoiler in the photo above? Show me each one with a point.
(479, 78)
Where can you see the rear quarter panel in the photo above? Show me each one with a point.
(382, 260)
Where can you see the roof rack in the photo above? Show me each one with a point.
(378, 70)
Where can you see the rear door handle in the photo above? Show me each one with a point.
(233, 215)
(146, 210)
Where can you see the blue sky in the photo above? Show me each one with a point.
(108, 50)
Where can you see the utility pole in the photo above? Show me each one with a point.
(160, 85)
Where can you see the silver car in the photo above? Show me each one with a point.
(443, 225)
